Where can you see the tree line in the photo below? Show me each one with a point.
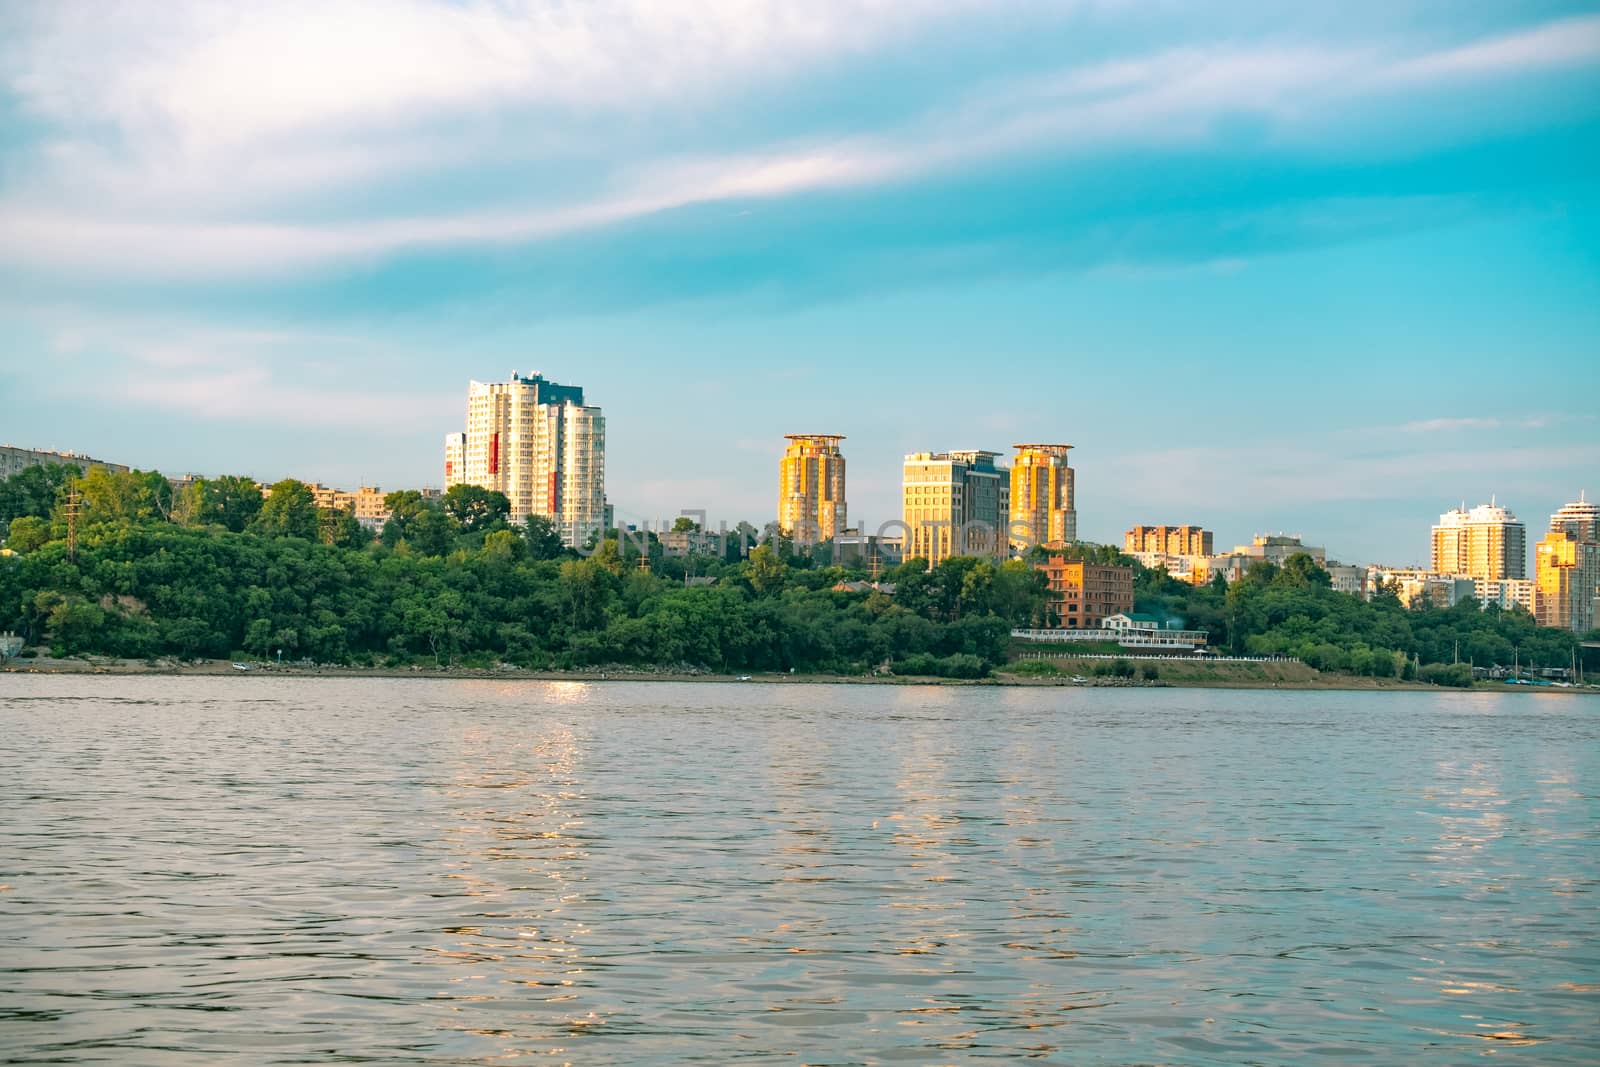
(217, 568)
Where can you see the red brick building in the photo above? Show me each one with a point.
(1081, 594)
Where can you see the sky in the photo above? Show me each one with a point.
(1320, 269)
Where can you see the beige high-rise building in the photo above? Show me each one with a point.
(539, 444)
(1567, 569)
(811, 504)
(955, 503)
(1486, 542)
(1043, 505)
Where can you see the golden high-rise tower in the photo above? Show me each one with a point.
(1043, 505)
(811, 504)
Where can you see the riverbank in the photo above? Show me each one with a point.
(1173, 674)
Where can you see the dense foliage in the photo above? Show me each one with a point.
(215, 571)
(218, 569)
(1293, 611)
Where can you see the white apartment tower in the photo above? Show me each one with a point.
(540, 445)
(1486, 542)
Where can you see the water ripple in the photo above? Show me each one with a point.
(298, 871)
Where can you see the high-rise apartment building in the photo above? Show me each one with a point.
(1581, 519)
(1169, 540)
(811, 504)
(539, 444)
(955, 503)
(1486, 542)
(1567, 569)
(1043, 505)
(455, 458)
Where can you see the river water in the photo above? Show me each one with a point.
(262, 870)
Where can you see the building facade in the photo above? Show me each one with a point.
(1566, 569)
(954, 503)
(811, 497)
(1083, 595)
(1044, 508)
(13, 460)
(1413, 586)
(1581, 519)
(1486, 542)
(1169, 540)
(537, 442)
(1506, 593)
(455, 458)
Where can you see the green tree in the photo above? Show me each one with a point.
(131, 496)
(766, 571)
(475, 508)
(27, 533)
(543, 539)
(34, 491)
(290, 510)
(432, 532)
(231, 501)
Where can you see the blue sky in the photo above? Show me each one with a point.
(1327, 272)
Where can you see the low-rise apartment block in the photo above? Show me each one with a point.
(14, 460)
(1083, 595)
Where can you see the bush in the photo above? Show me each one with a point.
(1150, 672)
(1458, 675)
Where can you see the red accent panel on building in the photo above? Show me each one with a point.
(449, 470)
(552, 495)
(494, 453)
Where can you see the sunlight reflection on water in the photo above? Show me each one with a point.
(408, 871)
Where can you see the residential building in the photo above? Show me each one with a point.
(1507, 593)
(1486, 542)
(1043, 502)
(13, 460)
(1581, 519)
(1169, 540)
(691, 543)
(954, 504)
(1083, 595)
(1567, 570)
(369, 507)
(537, 442)
(811, 500)
(1346, 578)
(1191, 569)
(1414, 586)
(455, 458)
(1276, 549)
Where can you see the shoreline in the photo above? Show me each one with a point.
(225, 668)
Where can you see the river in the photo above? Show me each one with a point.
(256, 870)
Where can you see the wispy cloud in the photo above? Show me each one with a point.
(1456, 424)
(200, 104)
(267, 376)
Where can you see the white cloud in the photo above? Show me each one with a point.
(205, 92)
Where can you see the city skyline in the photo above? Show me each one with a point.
(1260, 266)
